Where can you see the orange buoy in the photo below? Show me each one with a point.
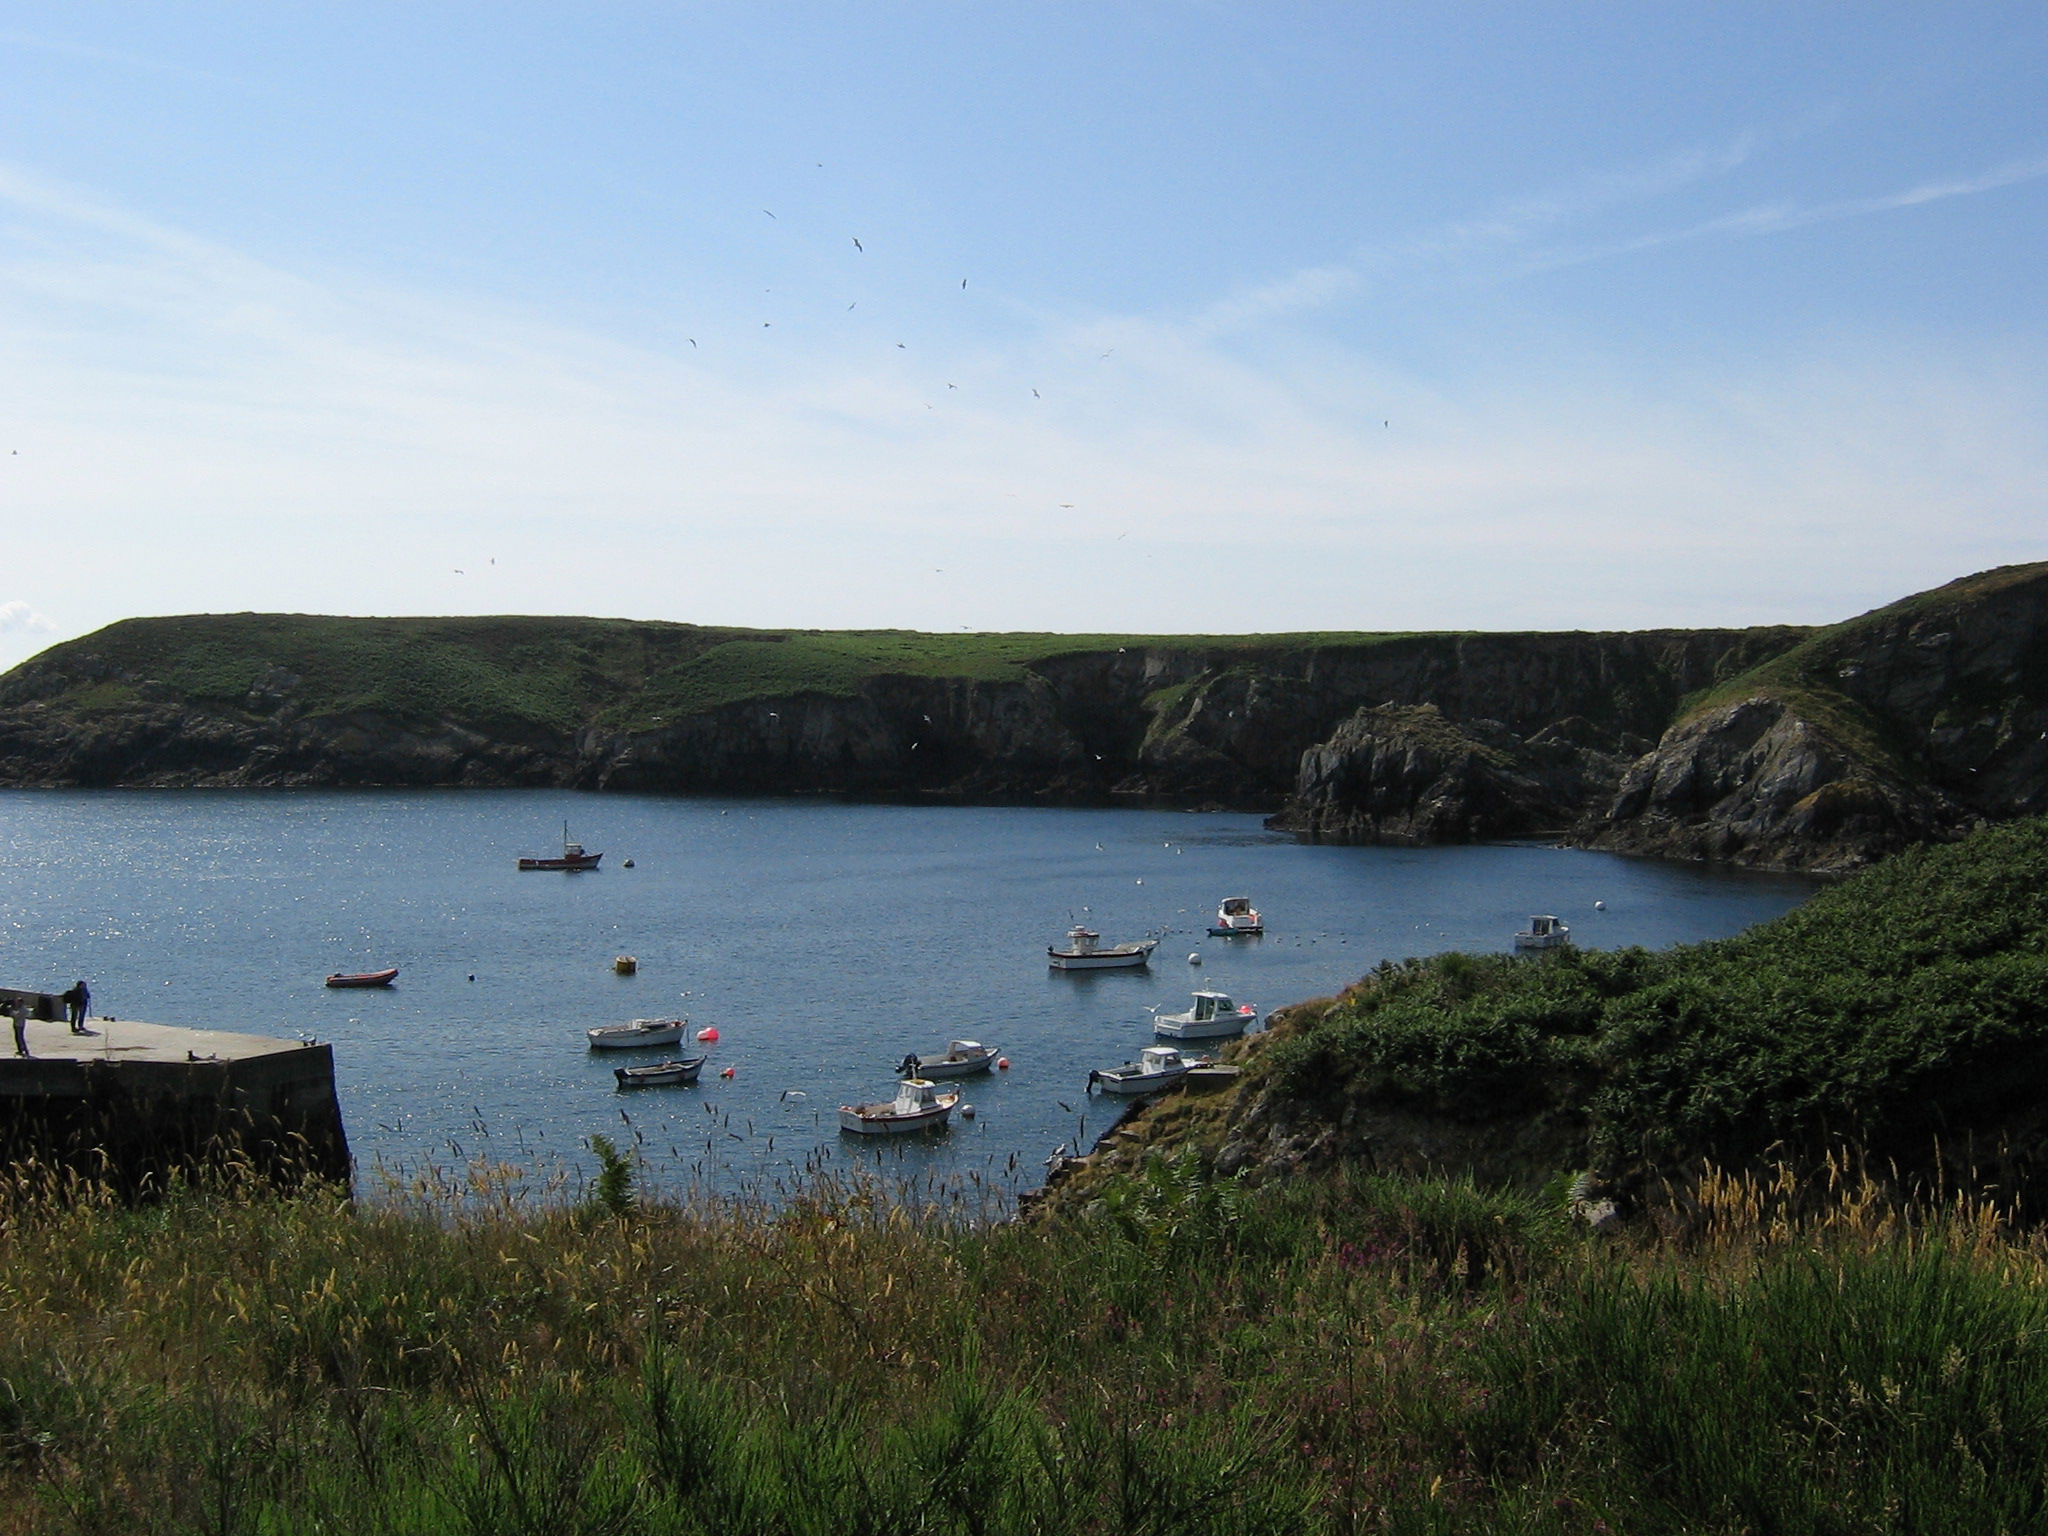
(726, 1073)
(707, 1035)
(1002, 1063)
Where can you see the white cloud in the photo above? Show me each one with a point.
(18, 617)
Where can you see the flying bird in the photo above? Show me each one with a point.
(857, 245)
(963, 282)
(771, 215)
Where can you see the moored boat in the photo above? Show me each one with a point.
(1544, 932)
(363, 978)
(962, 1058)
(1214, 1016)
(641, 1032)
(1085, 951)
(1236, 915)
(1157, 1067)
(572, 856)
(659, 1074)
(918, 1106)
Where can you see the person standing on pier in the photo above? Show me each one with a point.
(18, 1011)
(75, 1004)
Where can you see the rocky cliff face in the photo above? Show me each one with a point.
(1775, 747)
(1914, 722)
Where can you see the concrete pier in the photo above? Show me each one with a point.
(132, 1102)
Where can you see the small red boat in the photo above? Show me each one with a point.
(363, 978)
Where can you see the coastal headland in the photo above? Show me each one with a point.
(1780, 747)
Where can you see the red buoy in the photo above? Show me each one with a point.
(1003, 1063)
(707, 1035)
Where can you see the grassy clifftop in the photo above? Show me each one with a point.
(559, 673)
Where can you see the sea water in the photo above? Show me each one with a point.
(823, 941)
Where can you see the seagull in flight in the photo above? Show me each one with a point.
(857, 245)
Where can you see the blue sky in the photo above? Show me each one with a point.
(1189, 317)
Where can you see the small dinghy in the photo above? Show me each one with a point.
(1157, 1067)
(962, 1058)
(1085, 951)
(918, 1106)
(659, 1074)
(641, 1032)
(1213, 1017)
(1237, 915)
(363, 978)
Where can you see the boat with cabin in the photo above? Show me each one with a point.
(1085, 951)
(1235, 916)
(572, 857)
(1214, 1016)
(1544, 932)
(1157, 1067)
(918, 1106)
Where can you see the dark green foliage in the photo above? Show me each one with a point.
(1902, 1010)
(611, 1192)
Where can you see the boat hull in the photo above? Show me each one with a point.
(1123, 957)
(625, 1037)
(952, 1064)
(364, 978)
(660, 1074)
(1219, 1028)
(584, 861)
(1132, 1084)
(881, 1120)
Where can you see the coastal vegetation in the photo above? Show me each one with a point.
(1353, 1353)
(1803, 1328)
(1898, 1014)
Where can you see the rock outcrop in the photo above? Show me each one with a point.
(1909, 724)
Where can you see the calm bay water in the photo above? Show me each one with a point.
(824, 941)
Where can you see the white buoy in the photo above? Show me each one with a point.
(966, 1111)
(1194, 959)
(1599, 906)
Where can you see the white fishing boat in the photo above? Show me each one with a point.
(962, 1058)
(1157, 1067)
(659, 1074)
(1237, 915)
(1544, 932)
(918, 1106)
(1085, 951)
(641, 1032)
(1214, 1016)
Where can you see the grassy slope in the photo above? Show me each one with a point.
(1803, 677)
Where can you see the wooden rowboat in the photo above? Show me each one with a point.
(659, 1074)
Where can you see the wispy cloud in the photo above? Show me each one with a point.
(199, 430)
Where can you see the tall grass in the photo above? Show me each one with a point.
(1351, 1354)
